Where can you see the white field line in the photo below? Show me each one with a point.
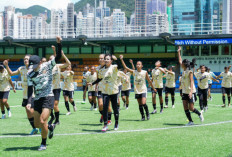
(125, 131)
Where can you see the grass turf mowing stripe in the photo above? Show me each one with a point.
(125, 131)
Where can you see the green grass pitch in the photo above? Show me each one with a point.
(163, 135)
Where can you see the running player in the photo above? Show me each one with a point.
(40, 78)
(110, 89)
(126, 86)
(202, 79)
(56, 85)
(85, 74)
(5, 82)
(226, 85)
(210, 84)
(68, 89)
(157, 81)
(99, 89)
(140, 88)
(170, 86)
(188, 87)
(23, 72)
(92, 89)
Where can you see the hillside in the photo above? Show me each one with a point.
(35, 10)
(125, 5)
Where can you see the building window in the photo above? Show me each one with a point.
(205, 50)
(190, 51)
(214, 50)
(225, 50)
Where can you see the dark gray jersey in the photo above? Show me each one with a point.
(42, 80)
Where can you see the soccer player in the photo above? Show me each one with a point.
(210, 83)
(110, 89)
(180, 86)
(126, 86)
(226, 85)
(5, 82)
(56, 85)
(99, 90)
(40, 78)
(170, 86)
(188, 88)
(202, 78)
(92, 89)
(85, 74)
(157, 81)
(43, 60)
(68, 88)
(140, 88)
(23, 72)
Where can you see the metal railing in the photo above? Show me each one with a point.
(115, 31)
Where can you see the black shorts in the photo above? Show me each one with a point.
(186, 97)
(44, 102)
(84, 88)
(68, 93)
(226, 90)
(24, 103)
(210, 86)
(202, 92)
(181, 92)
(138, 96)
(99, 95)
(56, 93)
(4, 95)
(125, 93)
(170, 90)
(159, 91)
(92, 93)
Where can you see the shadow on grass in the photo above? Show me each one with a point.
(91, 124)
(21, 148)
(22, 134)
(94, 131)
(131, 120)
(173, 124)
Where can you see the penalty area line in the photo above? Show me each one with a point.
(123, 131)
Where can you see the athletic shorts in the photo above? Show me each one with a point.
(68, 93)
(186, 97)
(159, 91)
(44, 102)
(92, 93)
(181, 92)
(56, 93)
(210, 86)
(170, 90)
(99, 95)
(202, 91)
(226, 90)
(138, 96)
(125, 93)
(24, 103)
(4, 95)
(84, 88)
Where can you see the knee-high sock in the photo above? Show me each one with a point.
(224, 99)
(154, 106)
(73, 103)
(31, 121)
(109, 115)
(166, 100)
(146, 109)
(67, 106)
(188, 115)
(228, 99)
(173, 100)
(197, 112)
(57, 115)
(141, 110)
(52, 115)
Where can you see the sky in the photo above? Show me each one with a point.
(56, 4)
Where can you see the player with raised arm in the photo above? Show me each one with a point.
(39, 78)
(140, 88)
(188, 87)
